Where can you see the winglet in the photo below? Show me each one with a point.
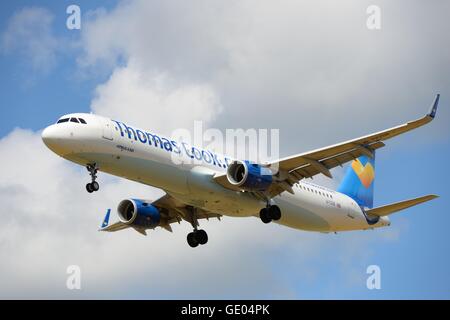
(106, 219)
(434, 106)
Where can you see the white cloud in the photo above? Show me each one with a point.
(154, 101)
(29, 33)
(277, 65)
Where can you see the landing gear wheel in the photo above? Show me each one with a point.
(275, 212)
(192, 240)
(201, 236)
(195, 237)
(264, 214)
(89, 188)
(95, 186)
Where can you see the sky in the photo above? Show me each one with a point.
(311, 69)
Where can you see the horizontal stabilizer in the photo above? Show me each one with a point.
(394, 207)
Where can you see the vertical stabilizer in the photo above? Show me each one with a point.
(358, 182)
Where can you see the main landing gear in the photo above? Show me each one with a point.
(197, 236)
(93, 186)
(269, 213)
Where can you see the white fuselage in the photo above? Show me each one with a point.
(186, 173)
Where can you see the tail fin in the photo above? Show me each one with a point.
(358, 182)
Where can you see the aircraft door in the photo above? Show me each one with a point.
(107, 128)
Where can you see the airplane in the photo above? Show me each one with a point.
(215, 185)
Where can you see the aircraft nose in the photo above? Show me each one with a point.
(53, 139)
(49, 136)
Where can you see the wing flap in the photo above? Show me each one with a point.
(117, 226)
(308, 170)
(395, 207)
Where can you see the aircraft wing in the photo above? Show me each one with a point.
(292, 169)
(171, 211)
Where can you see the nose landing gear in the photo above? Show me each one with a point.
(93, 185)
(271, 212)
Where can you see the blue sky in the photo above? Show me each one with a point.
(319, 86)
(22, 87)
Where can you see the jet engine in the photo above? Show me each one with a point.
(138, 213)
(249, 176)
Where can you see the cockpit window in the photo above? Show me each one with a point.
(82, 121)
(63, 120)
(74, 120)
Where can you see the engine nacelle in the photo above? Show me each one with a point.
(249, 176)
(139, 213)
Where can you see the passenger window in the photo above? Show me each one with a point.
(63, 120)
(74, 120)
(82, 121)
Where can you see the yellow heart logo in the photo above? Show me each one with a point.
(366, 173)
